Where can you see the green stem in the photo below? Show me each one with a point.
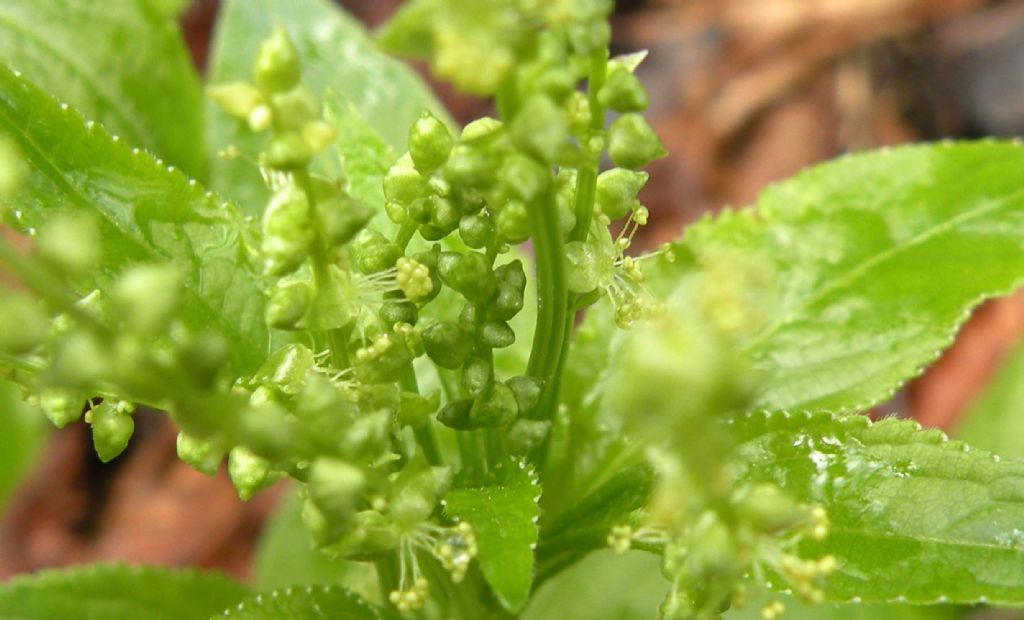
(552, 299)
(320, 264)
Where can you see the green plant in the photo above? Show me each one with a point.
(349, 306)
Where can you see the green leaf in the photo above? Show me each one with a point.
(21, 435)
(914, 517)
(603, 586)
(797, 610)
(995, 421)
(503, 513)
(850, 277)
(309, 603)
(120, 62)
(877, 259)
(147, 213)
(336, 55)
(102, 592)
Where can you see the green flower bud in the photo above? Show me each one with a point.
(478, 374)
(287, 305)
(540, 128)
(403, 184)
(61, 406)
(511, 287)
(622, 91)
(248, 472)
(523, 177)
(468, 274)
(584, 267)
(713, 551)
(370, 535)
(477, 230)
(415, 410)
(577, 109)
(238, 99)
(632, 143)
(444, 215)
(80, 360)
(373, 252)
(26, 327)
(497, 334)
(587, 36)
(112, 427)
(382, 360)
(277, 65)
(482, 130)
(768, 509)
(455, 414)
(398, 311)
(470, 167)
(294, 108)
(288, 150)
(494, 407)
(71, 244)
(202, 456)
(368, 436)
(287, 231)
(513, 222)
(336, 487)
(318, 135)
(286, 369)
(267, 429)
(203, 356)
(617, 190)
(557, 82)
(525, 436)
(146, 296)
(340, 220)
(322, 531)
(429, 143)
(448, 344)
(527, 391)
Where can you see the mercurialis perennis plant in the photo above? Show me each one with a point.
(490, 403)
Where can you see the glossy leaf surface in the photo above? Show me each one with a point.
(877, 259)
(914, 517)
(101, 592)
(122, 63)
(336, 55)
(504, 515)
(307, 603)
(848, 279)
(146, 213)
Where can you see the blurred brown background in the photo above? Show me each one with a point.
(744, 93)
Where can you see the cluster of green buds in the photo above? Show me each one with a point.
(78, 353)
(713, 528)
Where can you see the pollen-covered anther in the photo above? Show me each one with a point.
(620, 539)
(378, 347)
(456, 549)
(412, 598)
(773, 610)
(818, 524)
(413, 278)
